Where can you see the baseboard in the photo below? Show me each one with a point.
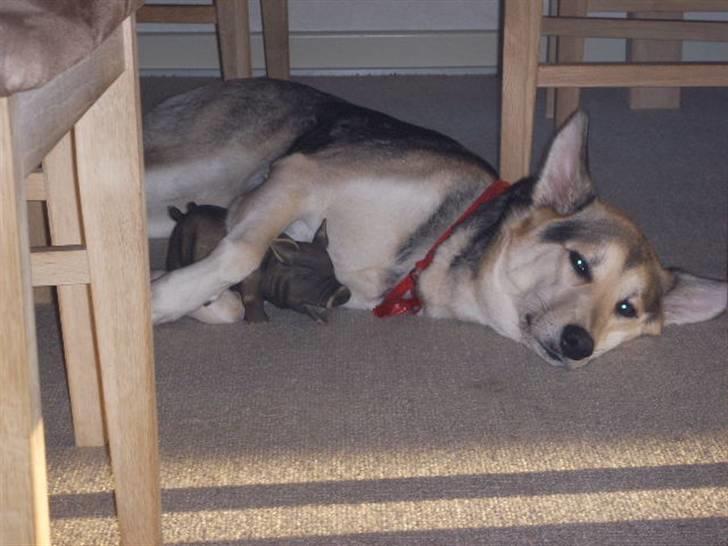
(194, 52)
(457, 52)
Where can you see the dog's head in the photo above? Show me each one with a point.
(585, 278)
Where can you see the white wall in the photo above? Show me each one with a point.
(369, 37)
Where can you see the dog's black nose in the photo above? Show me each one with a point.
(576, 343)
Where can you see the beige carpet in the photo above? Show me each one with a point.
(420, 432)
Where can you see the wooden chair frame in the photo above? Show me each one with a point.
(524, 25)
(85, 125)
(233, 32)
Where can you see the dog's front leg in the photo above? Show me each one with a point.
(253, 222)
(184, 290)
(226, 309)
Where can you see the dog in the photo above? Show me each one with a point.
(546, 263)
(293, 275)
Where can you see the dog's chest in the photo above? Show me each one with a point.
(368, 228)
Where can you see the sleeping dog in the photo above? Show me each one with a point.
(545, 263)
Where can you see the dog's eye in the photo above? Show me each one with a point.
(580, 265)
(626, 309)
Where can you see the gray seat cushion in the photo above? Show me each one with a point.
(39, 39)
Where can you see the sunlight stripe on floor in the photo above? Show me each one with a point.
(389, 517)
(434, 515)
(476, 458)
(200, 469)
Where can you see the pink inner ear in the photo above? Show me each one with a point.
(282, 247)
(564, 183)
(694, 299)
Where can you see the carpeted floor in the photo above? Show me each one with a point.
(413, 431)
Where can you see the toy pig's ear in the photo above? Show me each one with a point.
(693, 299)
(321, 238)
(175, 214)
(284, 249)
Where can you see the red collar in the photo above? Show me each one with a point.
(402, 298)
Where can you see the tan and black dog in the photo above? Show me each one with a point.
(546, 263)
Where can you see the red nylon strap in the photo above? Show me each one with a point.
(402, 298)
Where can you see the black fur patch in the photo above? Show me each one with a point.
(652, 300)
(338, 123)
(488, 219)
(568, 230)
(599, 231)
(436, 224)
(590, 232)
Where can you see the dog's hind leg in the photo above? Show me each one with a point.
(253, 222)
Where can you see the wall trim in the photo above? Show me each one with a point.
(194, 52)
(370, 53)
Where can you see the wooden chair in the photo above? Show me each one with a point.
(524, 25)
(233, 32)
(69, 97)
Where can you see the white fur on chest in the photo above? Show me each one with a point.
(369, 220)
(484, 295)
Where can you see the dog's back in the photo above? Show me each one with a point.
(220, 141)
(195, 139)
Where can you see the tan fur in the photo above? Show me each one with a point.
(560, 297)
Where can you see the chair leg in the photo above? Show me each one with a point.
(552, 44)
(665, 51)
(24, 515)
(109, 163)
(570, 50)
(275, 38)
(38, 236)
(522, 33)
(79, 346)
(233, 33)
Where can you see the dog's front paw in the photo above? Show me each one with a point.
(226, 309)
(165, 304)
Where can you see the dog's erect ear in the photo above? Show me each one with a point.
(321, 238)
(694, 299)
(564, 183)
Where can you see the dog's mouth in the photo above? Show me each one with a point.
(551, 353)
(547, 351)
(553, 356)
(549, 348)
